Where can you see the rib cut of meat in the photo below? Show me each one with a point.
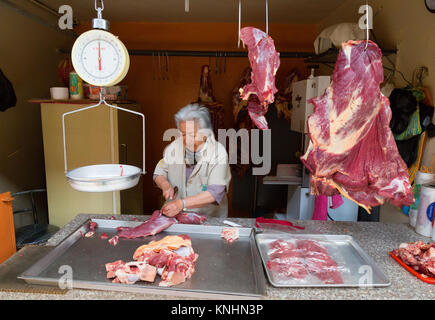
(190, 218)
(264, 61)
(152, 226)
(352, 149)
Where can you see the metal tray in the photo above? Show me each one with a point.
(223, 270)
(357, 268)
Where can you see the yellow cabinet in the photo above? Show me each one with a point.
(88, 142)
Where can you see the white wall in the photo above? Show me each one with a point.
(28, 58)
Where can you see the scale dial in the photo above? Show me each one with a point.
(100, 58)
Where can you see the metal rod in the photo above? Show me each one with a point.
(240, 21)
(95, 106)
(367, 24)
(228, 54)
(154, 77)
(267, 18)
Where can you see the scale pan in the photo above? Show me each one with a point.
(104, 177)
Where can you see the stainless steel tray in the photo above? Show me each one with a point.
(223, 270)
(357, 268)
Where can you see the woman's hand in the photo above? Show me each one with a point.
(168, 191)
(172, 208)
(166, 187)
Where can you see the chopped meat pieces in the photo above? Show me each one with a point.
(92, 225)
(104, 236)
(89, 234)
(190, 218)
(230, 234)
(114, 240)
(172, 257)
(419, 256)
(352, 150)
(111, 267)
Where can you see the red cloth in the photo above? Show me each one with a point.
(321, 206)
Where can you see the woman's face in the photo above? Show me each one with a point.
(192, 139)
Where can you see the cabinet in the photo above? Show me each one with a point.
(302, 92)
(88, 141)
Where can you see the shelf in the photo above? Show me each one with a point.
(330, 56)
(82, 101)
(282, 180)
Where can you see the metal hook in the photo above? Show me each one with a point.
(267, 18)
(367, 26)
(240, 19)
(102, 5)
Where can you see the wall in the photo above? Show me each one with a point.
(161, 99)
(409, 27)
(29, 60)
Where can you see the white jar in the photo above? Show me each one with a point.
(425, 210)
(420, 179)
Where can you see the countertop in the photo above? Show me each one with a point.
(376, 238)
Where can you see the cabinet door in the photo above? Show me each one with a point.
(130, 152)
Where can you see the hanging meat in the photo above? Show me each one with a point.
(205, 89)
(264, 61)
(352, 149)
(283, 99)
(207, 99)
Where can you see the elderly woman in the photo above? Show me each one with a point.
(197, 165)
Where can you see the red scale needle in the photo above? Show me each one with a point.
(99, 56)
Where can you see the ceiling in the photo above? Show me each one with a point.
(280, 11)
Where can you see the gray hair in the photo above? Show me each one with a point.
(194, 112)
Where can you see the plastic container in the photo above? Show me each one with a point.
(75, 86)
(59, 93)
(420, 179)
(425, 210)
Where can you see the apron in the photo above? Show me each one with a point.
(212, 168)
